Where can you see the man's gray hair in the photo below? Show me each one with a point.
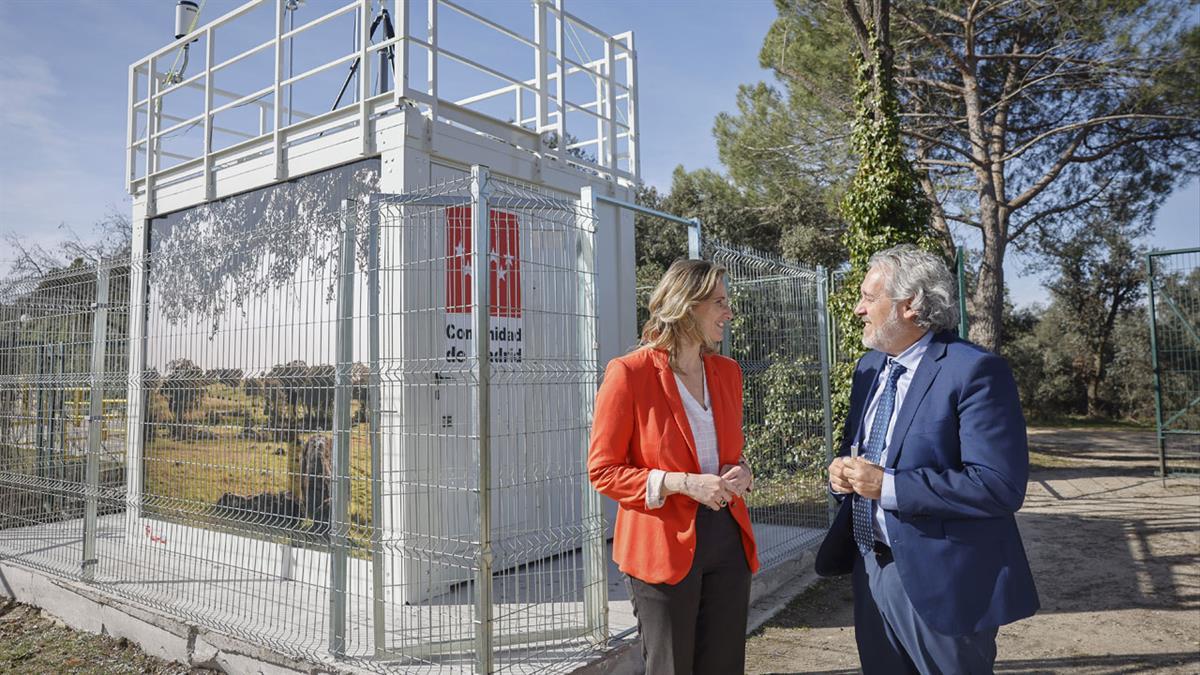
(924, 277)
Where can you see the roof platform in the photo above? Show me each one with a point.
(277, 90)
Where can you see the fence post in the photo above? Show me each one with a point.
(480, 295)
(1158, 417)
(378, 613)
(595, 560)
(39, 427)
(959, 267)
(95, 424)
(694, 239)
(339, 471)
(824, 354)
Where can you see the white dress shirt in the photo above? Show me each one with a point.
(910, 358)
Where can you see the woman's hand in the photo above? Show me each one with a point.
(739, 478)
(712, 491)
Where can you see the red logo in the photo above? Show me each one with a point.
(504, 263)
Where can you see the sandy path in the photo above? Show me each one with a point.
(1116, 556)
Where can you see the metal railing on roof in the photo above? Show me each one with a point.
(183, 126)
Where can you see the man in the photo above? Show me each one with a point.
(932, 467)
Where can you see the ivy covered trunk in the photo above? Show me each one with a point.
(884, 205)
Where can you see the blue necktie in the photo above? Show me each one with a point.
(864, 533)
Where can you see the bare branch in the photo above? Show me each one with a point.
(1047, 178)
(1127, 139)
(950, 52)
(1056, 210)
(1084, 125)
(861, 34)
(936, 84)
(917, 135)
(964, 220)
(943, 162)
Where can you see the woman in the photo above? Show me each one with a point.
(667, 446)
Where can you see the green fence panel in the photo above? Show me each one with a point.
(1173, 280)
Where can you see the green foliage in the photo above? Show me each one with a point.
(657, 243)
(790, 196)
(1129, 387)
(1098, 279)
(726, 213)
(1047, 351)
(1177, 331)
(1055, 105)
(785, 434)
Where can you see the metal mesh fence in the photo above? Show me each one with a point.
(518, 524)
(317, 459)
(63, 346)
(1174, 283)
(780, 338)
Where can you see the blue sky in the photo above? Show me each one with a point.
(63, 80)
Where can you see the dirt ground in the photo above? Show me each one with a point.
(1115, 553)
(31, 642)
(1116, 556)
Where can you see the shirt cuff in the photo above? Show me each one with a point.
(887, 497)
(654, 488)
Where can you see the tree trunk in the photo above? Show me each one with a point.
(988, 302)
(989, 287)
(1095, 378)
(1101, 356)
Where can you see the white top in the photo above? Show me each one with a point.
(704, 432)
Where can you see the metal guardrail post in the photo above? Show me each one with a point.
(277, 154)
(595, 558)
(959, 267)
(540, 37)
(339, 471)
(39, 426)
(400, 9)
(824, 352)
(378, 613)
(58, 428)
(95, 424)
(480, 272)
(1158, 416)
(694, 241)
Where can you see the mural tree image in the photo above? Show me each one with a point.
(184, 389)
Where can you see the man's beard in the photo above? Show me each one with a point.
(885, 334)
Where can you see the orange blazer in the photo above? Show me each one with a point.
(640, 425)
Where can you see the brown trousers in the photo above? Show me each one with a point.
(698, 626)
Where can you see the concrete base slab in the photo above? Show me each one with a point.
(82, 608)
(108, 608)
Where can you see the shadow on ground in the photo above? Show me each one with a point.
(1115, 551)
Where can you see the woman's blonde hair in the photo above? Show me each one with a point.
(671, 324)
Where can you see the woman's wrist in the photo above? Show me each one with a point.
(676, 483)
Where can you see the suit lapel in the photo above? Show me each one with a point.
(922, 379)
(666, 377)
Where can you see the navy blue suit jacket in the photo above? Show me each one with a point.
(961, 463)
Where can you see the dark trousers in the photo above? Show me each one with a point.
(893, 639)
(699, 624)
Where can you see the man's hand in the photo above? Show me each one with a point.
(837, 475)
(864, 477)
